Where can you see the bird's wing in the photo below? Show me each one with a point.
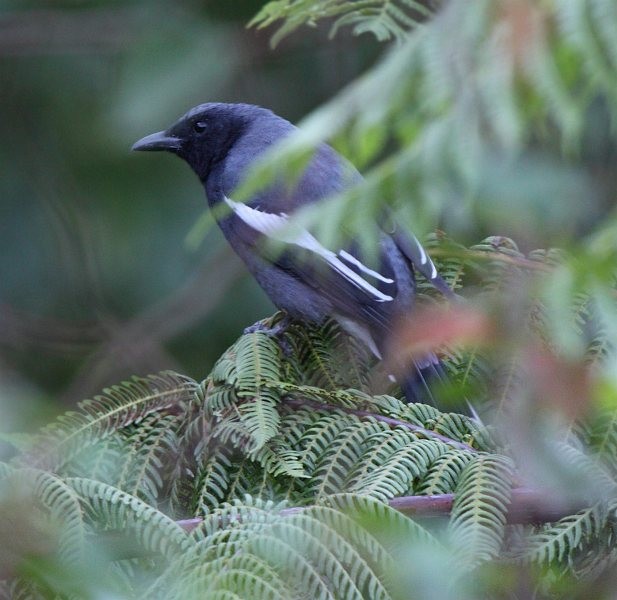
(322, 265)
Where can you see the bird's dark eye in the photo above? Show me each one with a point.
(199, 127)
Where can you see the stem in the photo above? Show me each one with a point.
(389, 420)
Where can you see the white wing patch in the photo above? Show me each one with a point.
(354, 261)
(281, 229)
(424, 258)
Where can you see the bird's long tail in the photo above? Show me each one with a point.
(423, 376)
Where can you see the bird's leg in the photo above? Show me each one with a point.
(275, 331)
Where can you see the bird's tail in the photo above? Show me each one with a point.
(423, 376)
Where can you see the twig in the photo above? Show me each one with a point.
(389, 420)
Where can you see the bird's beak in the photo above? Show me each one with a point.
(160, 140)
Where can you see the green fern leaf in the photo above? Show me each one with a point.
(394, 475)
(559, 541)
(443, 475)
(115, 409)
(257, 365)
(111, 508)
(150, 451)
(482, 496)
(59, 503)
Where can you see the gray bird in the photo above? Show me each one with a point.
(302, 277)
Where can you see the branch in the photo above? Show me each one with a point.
(526, 506)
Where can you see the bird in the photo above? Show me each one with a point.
(306, 280)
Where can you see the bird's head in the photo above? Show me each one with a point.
(205, 134)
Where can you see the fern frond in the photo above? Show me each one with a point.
(116, 408)
(368, 511)
(588, 468)
(246, 477)
(211, 481)
(102, 460)
(256, 364)
(443, 475)
(58, 501)
(340, 456)
(482, 496)
(557, 542)
(257, 361)
(385, 19)
(329, 358)
(278, 458)
(110, 508)
(151, 452)
(395, 474)
(302, 576)
(194, 446)
(324, 551)
(245, 576)
(601, 436)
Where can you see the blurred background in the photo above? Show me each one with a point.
(108, 266)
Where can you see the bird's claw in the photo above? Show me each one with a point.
(276, 331)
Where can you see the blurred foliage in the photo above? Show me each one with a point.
(493, 120)
(385, 20)
(286, 459)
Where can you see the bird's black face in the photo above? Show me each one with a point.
(202, 137)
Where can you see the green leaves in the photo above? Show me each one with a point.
(477, 526)
(118, 407)
(293, 492)
(257, 366)
(385, 19)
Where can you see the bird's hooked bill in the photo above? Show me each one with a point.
(160, 140)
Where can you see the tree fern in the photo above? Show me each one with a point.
(117, 407)
(601, 435)
(256, 364)
(211, 481)
(150, 452)
(479, 511)
(555, 543)
(110, 508)
(397, 470)
(319, 549)
(444, 473)
(51, 496)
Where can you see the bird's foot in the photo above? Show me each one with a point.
(276, 331)
(271, 330)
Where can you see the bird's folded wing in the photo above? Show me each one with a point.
(281, 229)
